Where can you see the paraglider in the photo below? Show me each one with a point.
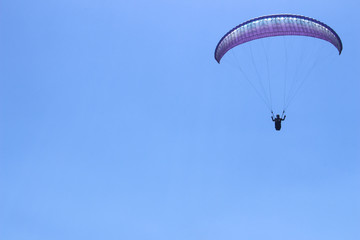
(278, 120)
(272, 26)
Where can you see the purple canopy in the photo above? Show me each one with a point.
(276, 25)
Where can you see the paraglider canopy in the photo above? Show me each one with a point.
(276, 25)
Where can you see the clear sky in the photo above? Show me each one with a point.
(117, 123)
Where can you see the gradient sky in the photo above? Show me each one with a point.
(117, 123)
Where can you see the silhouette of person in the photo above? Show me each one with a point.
(277, 121)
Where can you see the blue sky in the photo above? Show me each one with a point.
(116, 122)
